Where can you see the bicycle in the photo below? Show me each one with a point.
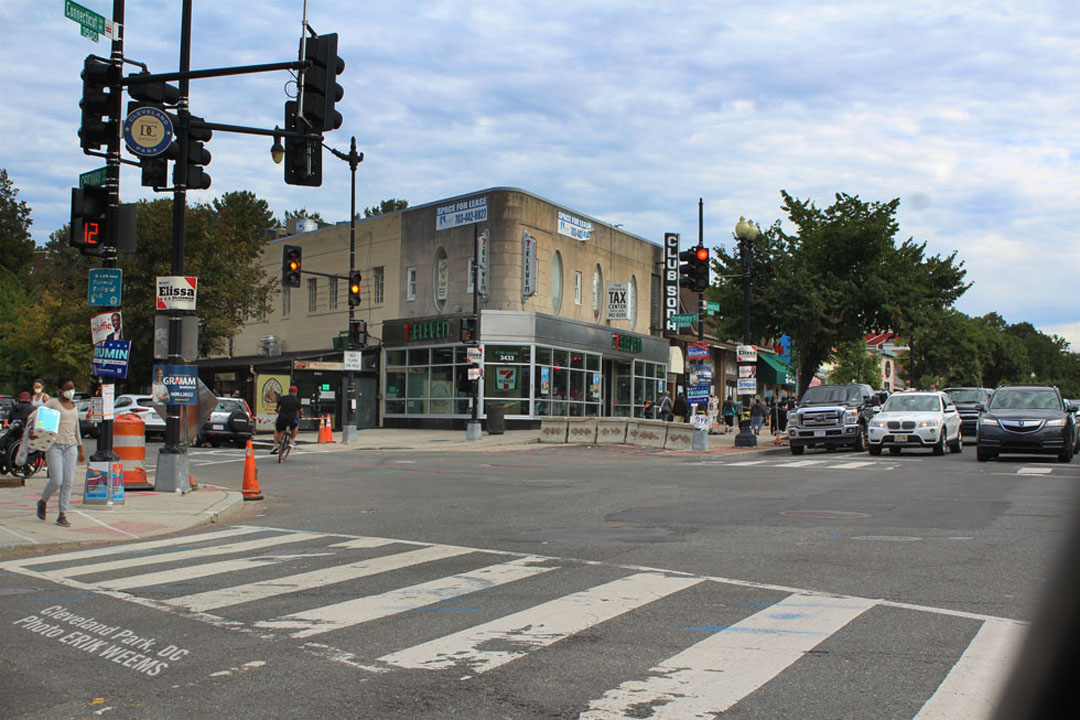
(284, 445)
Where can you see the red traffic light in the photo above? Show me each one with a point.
(702, 254)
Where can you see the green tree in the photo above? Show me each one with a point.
(855, 364)
(386, 206)
(301, 213)
(16, 245)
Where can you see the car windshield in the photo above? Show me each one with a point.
(826, 394)
(229, 406)
(960, 395)
(144, 402)
(912, 403)
(1025, 400)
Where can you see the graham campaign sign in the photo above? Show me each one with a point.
(176, 384)
(176, 292)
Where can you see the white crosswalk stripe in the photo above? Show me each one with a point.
(697, 678)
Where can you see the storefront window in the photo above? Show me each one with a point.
(648, 385)
(565, 383)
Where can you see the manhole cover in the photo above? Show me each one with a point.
(825, 514)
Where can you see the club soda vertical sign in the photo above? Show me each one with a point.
(671, 282)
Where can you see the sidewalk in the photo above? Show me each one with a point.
(149, 514)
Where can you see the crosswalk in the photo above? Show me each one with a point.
(890, 464)
(473, 611)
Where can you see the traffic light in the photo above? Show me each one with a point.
(701, 269)
(89, 210)
(354, 289)
(291, 262)
(321, 90)
(100, 103)
(687, 258)
(198, 156)
(155, 93)
(357, 334)
(303, 156)
(468, 331)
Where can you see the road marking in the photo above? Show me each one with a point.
(498, 642)
(107, 525)
(372, 607)
(802, 463)
(745, 463)
(213, 599)
(135, 547)
(714, 674)
(197, 553)
(852, 465)
(190, 572)
(1034, 471)
(974, 684)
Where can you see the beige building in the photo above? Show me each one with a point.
(567, 308)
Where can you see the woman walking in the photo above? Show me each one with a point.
(65, 453)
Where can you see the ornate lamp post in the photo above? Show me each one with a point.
(747, 232)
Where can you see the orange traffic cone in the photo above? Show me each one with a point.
(329, 429)
(251, 476)
(322, 429)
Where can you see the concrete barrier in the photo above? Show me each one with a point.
(553, 430)
(581, 430)
(631, 431)
(611, 430)
(680, 436)
(651, 433)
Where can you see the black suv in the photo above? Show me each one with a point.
(1027, 419)
(969, 402)
(229, 422)
(832, 416)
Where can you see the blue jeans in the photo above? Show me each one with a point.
(755, 423)
(62, 460)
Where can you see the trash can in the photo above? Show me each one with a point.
(496, 417)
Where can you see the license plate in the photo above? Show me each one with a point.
(819, 433)
(219, 427)
(901, 438)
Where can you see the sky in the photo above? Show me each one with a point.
(628, 112)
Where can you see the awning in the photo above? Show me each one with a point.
(774, 371)
(676, 364)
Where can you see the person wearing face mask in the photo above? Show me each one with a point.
(40, 397)
(65, 453)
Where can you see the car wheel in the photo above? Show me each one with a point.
(1065, 455)
(983, 455)
(860, 440)
(874, 449)
(797, 449)
(894, 451)
(939, 446)
(957, 446)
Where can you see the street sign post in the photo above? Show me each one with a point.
(93, 177)
(683, 319)
(105, 287)
(91, 23)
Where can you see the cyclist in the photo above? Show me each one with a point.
(288, 416)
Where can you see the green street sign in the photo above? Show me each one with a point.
(94, 177)
(711, 308)
(86, 17)
(88, 33)
(684, 319)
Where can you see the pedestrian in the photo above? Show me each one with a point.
(782, 414)
(664, 411)
(729, 415)
(40, 397)
(757, 415)
(65, 453)
(681, 409)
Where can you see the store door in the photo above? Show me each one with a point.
(618, 384)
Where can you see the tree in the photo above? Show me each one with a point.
(386, 206)
(855, 364)
(16, 245)
(301, 213)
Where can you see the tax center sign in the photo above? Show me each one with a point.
(176, 292)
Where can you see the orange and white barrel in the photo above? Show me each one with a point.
(129, 444)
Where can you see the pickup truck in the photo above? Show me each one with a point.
(832, 416)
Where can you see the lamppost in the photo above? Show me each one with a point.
(277, 152)
(747, 233)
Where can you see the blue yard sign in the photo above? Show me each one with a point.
(111, 358)
(104, 288)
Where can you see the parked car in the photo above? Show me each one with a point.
(141, 405)
(1029, 420)
(230, 421)
(970, 402)
(832, 416)
(916, 420)
(86, 427)
(6, 403)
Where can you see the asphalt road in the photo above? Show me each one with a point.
(550, 583)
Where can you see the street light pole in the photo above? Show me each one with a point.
(349, 427)
(746, 232)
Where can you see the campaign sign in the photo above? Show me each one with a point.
(697, 394)
(176, 292)
(111, 358)
(176, 384)
(697, 351)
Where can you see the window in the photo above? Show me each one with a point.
(597, 293)
(410, 284)
(441, 278)
(312, 294)
(577, 287)
(286, 301)
(427, 381)
(333, 293)
(380, 283)
(556, 282)
(567, 382)
(632, 301)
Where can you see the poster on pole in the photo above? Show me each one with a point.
(746, 353)
(176, 292)
(106, 326)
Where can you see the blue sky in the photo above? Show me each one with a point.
(629, 112)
